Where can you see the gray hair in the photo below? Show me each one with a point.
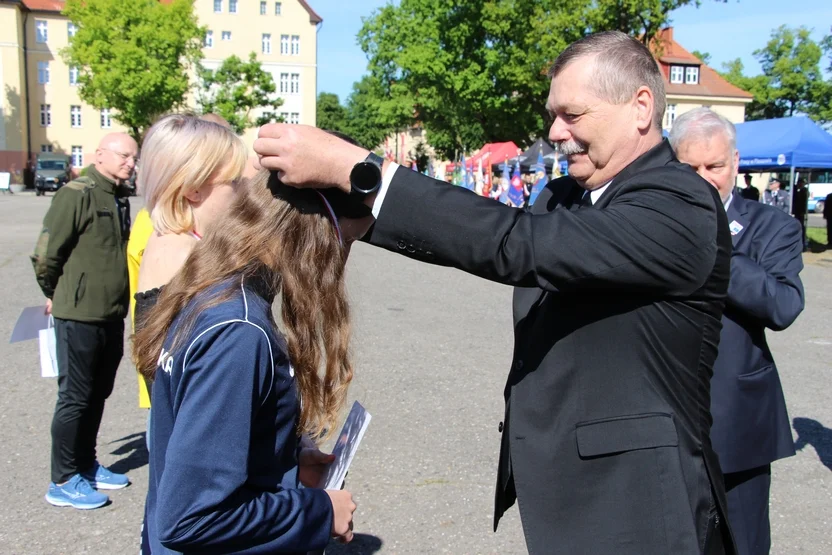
(623, 65)
(701, 123)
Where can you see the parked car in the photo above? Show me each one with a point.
(52, 171)
(817, 196)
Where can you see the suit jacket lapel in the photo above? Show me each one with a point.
(737, 218)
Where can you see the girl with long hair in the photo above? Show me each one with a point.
(232, 392)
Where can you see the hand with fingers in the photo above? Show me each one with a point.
(306, 156)
(343, 508)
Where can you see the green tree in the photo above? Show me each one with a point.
(330, 114)
(371, 117)
(763, 106)
(134, 56)
(704, 56)
(475, 71)
(791, 83)
(237, 88)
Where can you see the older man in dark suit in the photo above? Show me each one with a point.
(751, 425)
(621, 272)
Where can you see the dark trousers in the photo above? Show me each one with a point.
(829, 233)
(88, 357)
(748, 493)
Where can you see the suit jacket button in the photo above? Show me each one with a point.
(500, 427)
(411, 249)
(518, 365)
(401, 245)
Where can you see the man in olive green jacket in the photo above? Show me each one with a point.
(81, 266)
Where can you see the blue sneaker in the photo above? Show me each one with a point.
(77, 493)
(100, 477)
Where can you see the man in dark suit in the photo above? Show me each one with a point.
(751, 425)
(827, 215)
(621, 271)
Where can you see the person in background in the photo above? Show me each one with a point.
(227, 410)
(80, 264)
(750, 192)
(827, 215)
(774, 196)
(751, 427)
(139, 236)
(800, 205)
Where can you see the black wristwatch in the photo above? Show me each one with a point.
(365, 177)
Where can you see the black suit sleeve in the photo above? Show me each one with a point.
(649, 236)
(770, 290)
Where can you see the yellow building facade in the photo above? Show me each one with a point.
(42, 112)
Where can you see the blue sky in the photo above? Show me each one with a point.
(726, 31)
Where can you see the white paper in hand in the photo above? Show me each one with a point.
(48, 356)
(345, 447)
(31, 321)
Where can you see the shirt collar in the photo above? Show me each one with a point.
(595, 194)
(728, 201)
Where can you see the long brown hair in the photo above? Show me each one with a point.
(282, 238)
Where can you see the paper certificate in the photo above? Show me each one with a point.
(31, 321)
(345, 447)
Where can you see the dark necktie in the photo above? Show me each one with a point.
(586, 200)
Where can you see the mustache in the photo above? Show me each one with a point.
(570, 147)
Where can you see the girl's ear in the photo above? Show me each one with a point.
(194, 196)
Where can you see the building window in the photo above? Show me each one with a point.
(226, 35)
(77, 157)
(45, 115)
(263, 8)
(278, 8)
(670, 116)
(217, 6)
(692, 75)
(232, 6)
(105, 119)
(42, 31)
(71, 29)
(209, 39)
(294, 118)
(266, 43)
(295, 84)
(75, 116)
(73, 75)
(677, 74)
(43, 73)
(295, 45)
(46, 148)
(284, 45)
(284, 83)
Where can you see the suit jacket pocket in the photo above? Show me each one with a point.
(759, 378)
(625, 433)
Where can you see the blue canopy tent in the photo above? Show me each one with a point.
(784, 144)
(781, 144)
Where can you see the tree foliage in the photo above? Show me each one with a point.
(362, 118)
(133, 56)
(237, 88)
(475, 71)
(792, 82)
(330, 114)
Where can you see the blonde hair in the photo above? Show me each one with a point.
(283, 239)
(180, 154)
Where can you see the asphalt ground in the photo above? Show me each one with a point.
(432, 348)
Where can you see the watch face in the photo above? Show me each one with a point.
(365, 177)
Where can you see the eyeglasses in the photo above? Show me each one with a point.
(123, 156)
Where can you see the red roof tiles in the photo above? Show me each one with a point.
(669, 52)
